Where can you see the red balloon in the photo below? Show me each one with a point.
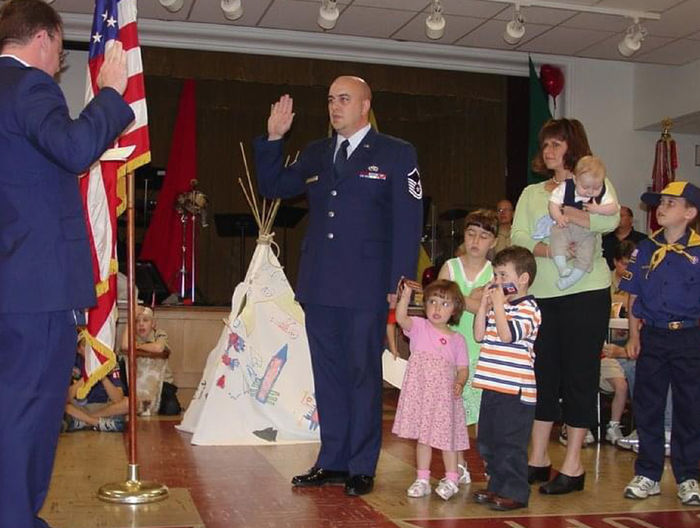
(552, 79)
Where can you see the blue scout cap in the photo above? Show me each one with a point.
(679, 189)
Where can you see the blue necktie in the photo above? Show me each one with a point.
(341, 159)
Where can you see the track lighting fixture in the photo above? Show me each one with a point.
(632, 41)
(435, 23)
(328, 14)
(233, 9)
(172, 5)
(515, 29)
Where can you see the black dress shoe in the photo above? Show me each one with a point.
(359, 485)
(562, 484)
(484, 496)
(319, 477)
(538, 473)
(506, 504)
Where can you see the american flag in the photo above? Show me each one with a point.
(103, 187)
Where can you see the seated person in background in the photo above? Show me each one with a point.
(587, 191)
(152, 355)
(613, 380)
(104, 408)
(620, 298)
(624, 232)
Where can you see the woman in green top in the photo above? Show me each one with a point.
(574, 321)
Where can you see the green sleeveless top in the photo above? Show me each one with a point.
(470, 396)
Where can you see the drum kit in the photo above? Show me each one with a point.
(443, 234)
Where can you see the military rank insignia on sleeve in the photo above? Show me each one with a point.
(414, 187)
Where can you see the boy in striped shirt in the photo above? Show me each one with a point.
(506, 325)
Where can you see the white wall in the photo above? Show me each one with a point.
(601, 95)
(73, 80)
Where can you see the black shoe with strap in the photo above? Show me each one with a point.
(319, 477)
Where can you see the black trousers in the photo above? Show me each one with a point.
(567, 361)
(668, 357)
(504, 432)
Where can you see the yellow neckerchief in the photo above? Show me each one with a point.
(663, 248)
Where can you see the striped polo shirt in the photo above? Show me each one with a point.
(510, 367)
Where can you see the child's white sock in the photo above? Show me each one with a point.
(567, 282)
(560, 263)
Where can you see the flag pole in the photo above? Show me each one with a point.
(133, 490)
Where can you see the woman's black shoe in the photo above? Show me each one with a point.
(562, 484)
(538, 473)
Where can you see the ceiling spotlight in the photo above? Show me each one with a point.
(632, 40)
(328, 14)
(172, 5)
(515, 29)
(233, 9)
(435, 23)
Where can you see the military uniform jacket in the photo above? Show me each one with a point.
(45, 262)
(364, 226)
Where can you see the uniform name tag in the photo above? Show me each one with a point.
(312, 179)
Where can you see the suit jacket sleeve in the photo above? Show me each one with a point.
(407, 216)
(274, 179)
(73, 144)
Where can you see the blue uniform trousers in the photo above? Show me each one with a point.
(346, 348)
(504, 432)
(37, 351)
(668, 357)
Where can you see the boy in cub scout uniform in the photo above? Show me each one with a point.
(663, 279)
(365, 218)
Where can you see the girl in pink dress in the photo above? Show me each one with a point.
(430, 407)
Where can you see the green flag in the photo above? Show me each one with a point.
(539, 114)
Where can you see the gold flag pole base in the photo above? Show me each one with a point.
(133, 491)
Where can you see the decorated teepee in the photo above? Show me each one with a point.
(257, 386)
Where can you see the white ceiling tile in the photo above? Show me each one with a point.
(599, 22)
(678, 21)
(564, 41)
(210, 11)
(490, 35)
(409, 5)
(538, 15)
(472, 8)
(607, 49)
(289, 14)
(455, 28)
(677, 52)
(371, 22)
(657, 6)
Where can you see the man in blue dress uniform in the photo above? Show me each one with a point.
(364, 195)
(45, 265)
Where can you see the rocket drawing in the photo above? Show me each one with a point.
(272, 372)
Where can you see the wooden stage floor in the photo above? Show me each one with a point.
(226, 487)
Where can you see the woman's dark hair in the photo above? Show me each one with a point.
(20, 20)
(450, 291)
(569, 130)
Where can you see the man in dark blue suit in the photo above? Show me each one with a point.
(364, 195)
(45, 263)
